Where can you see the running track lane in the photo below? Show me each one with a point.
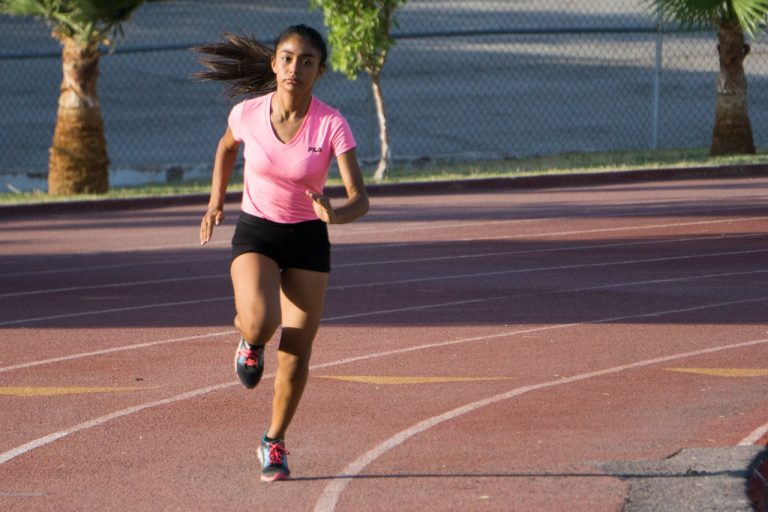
(487, 351)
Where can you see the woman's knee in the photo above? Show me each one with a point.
(293, 367)
(256, 329)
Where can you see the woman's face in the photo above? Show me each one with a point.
(296, 65)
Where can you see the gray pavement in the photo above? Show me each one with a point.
(692, 480)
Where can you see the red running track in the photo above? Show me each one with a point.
(494, 350)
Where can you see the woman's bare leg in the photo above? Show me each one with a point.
(256, 283)
(302, 300)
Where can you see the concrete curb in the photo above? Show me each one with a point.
(432, 187)
(693, 479)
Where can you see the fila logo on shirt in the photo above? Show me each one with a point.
(312, 149)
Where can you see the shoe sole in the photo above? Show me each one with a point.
(277, 477)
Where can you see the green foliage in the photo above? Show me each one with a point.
(749, 14)
(358, 33)
(86, 20)
(26, 7)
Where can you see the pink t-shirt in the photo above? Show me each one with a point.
(276, 174)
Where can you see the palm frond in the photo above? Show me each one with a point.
(107, 11)
(84, 19)
(749, 14)
(689, 13)
(26, 7)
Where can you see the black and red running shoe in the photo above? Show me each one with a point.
(274, 460)
(249, 363)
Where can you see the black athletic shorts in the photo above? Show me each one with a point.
(303, 245)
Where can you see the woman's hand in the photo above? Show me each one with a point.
(213, 217)
(323, 208)
(226, 154)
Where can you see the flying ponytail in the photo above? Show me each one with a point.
(241, 60)
(247, 63)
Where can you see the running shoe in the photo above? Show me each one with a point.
(249, 363)
(274, 460)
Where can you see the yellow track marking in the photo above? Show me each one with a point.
(724, 372)
(383, 380)
(52, 391)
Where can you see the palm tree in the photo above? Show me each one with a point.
(78, 160)
(732, 133)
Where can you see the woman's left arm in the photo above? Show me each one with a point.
(357, 202)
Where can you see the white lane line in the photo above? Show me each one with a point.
(647, 208)
(546, 215)
(37, 443)
(379, 263)
(547, 250)
(332, 492)
(625, 284)
(132, 249)
(549, 234)
(340, 247)
(42, 441)
(550, 269)
(137, 346)
(110, 310)
(143, 264)
(112, 285)
(400, 281)
(422, 307)
(107, 351)
(754, 436)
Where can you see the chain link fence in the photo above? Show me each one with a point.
(483, 79)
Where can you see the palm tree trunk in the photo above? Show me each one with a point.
(78, 156)
(732, 133)
(378, 97)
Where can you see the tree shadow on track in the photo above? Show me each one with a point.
(495, 264)
(719, 279)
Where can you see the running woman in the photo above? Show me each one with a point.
(280, 248)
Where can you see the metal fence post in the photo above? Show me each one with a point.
(657, 79)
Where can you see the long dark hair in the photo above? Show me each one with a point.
(247, 64)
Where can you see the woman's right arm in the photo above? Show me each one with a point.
(226, 155)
